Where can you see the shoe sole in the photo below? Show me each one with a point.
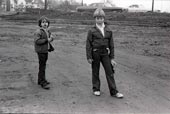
(117, 97)
(46, 83)
(47, 88)
(44, 86)
(95, 94)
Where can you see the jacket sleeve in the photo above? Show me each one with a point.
(38, 38)
(50, 35)
(89, 45)
(111, 47)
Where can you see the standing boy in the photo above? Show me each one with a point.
(42, 45)
(100, 48)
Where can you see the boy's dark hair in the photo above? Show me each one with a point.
(41, 19)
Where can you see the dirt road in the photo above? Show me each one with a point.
(141, 76)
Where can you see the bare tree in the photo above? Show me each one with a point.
(46, 4)
(16, 1)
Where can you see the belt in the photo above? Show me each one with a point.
(100, 48)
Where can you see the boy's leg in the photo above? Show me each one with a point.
(106, 62)
(42, 66)
(95, 72)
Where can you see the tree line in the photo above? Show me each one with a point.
(46, 3)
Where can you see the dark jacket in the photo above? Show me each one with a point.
(95, 39)
(41, 41)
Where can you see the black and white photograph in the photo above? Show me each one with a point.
(85, 56)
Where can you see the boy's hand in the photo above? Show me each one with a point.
(108, 50)
(50, 39)
(90, 61)
(113, 62)
(52, 36)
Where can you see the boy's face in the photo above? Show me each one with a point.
(99, 19)
(44, 23)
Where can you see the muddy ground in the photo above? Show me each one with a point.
(142, 73)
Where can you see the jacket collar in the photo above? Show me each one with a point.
(44, 29)
(106, 28)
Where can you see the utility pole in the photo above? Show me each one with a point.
(0, 3)
(45, 7)
(82, 3)
(152, 5)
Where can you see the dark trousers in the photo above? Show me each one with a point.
(42, 66)
(103, 57)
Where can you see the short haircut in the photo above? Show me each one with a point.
(41, 19)
(99, 13)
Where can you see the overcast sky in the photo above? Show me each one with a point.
(163, 5)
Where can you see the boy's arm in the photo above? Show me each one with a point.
(88, 45)
(51, 37)
(38, 39)
(111, 47)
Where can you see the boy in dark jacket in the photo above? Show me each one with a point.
(100, 48)
(42, 45)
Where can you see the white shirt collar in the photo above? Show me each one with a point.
(103, 25)
(101, 28)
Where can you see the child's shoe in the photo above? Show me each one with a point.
(45, 86)
(96, 93)
(118, 95)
